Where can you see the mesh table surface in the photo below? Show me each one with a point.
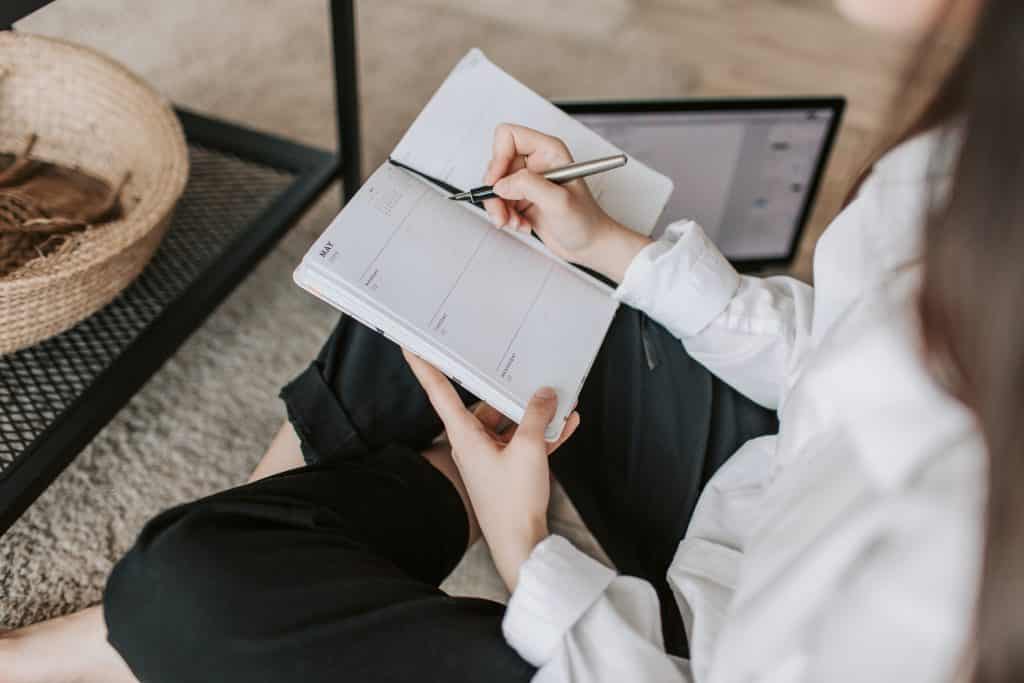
(224, 195)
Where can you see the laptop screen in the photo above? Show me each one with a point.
(747, 176)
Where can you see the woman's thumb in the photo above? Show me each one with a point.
(539, 411)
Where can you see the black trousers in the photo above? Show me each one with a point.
(329, 572)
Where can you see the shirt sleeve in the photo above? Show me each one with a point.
(749, 331)
(576, 620)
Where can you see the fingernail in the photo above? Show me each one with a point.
(500, 187)
(513, 220)
(494, 221)
(545, 393)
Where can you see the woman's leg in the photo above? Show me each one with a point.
(350, 361)
(356, 397)
(321, 573)
(68, 649)
(655, 425)
(359, 395)
(26, 655)
(283, 454)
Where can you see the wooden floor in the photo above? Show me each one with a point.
(775, 47)
(668, 48)
(779, 47)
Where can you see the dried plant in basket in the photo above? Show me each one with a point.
(89, 113)
(44, 205)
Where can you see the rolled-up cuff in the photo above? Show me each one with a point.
(682, 281)
(324, 428)
(557, 585)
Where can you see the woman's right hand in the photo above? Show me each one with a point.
(566, 217)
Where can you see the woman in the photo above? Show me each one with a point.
(856, 544)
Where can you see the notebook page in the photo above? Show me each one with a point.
(516, 316)
(326, 288)
(452, 137)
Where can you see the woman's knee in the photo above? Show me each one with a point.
(171, 592)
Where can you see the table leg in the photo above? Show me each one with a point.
(346, 84)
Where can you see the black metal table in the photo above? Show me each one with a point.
(245, 190)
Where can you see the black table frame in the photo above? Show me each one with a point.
(314, 169)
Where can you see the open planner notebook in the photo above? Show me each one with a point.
(492, 309)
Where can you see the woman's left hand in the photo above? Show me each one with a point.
(505, 471)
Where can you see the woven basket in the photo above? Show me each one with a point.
(91, 113)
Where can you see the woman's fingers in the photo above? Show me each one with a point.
(533, 188)
(500, 212)
(493, 172)
(489, 417)
(511, 141)
(515, 216)
(496, 209)
(458, 421)
(517, 147)
(522, 206)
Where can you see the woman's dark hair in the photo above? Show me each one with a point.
(972, 306)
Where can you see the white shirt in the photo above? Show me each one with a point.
(844, 548)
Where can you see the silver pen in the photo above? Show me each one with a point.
(564, 174)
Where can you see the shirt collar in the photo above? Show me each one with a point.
(908, 183)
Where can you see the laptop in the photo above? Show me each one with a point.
(747, 170)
